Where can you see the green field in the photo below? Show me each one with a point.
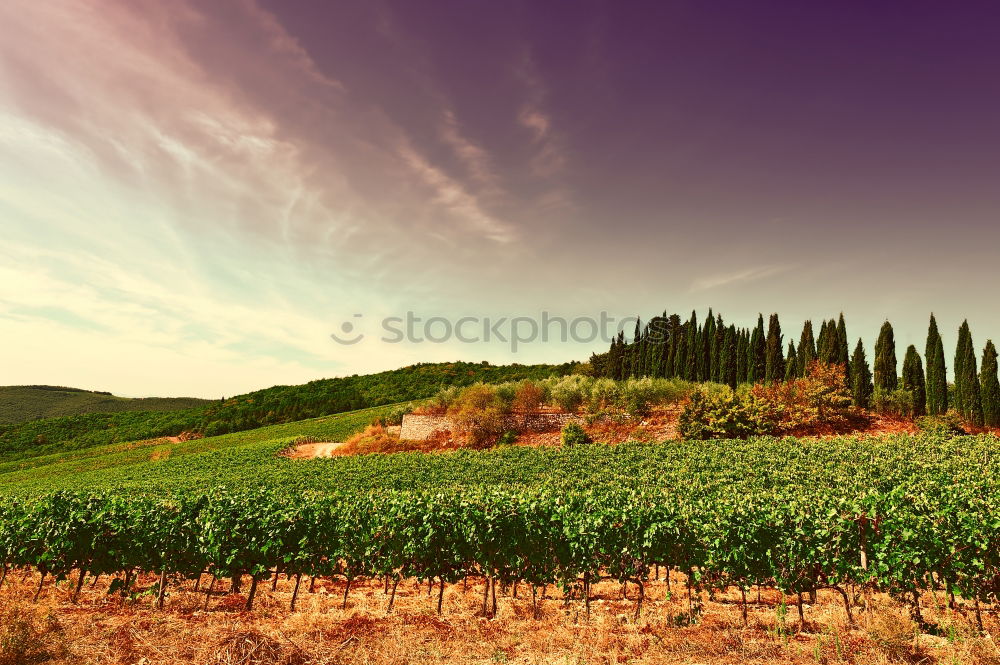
(271, 406)
(19, 404)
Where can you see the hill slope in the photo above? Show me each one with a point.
(20, 404)
(271, 406)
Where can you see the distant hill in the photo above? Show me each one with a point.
(271, 406)
(20, 404)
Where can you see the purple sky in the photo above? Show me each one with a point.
(195, 194)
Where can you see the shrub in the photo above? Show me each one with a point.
(528, 397)
(568, 392)
(820, 399)
(900, 403)
(718, 415)
(573, 435)
(602, 394)
(394, 416)
(479, 414)
(441, 401)
(508, 438)
(946, 425)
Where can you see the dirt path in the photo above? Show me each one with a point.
(311, 450)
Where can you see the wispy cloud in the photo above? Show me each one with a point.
(739, 277)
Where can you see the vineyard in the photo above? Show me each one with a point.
(899, 515)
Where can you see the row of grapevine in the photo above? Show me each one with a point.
(918, 535)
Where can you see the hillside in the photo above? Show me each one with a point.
(276, 405)
(20, 404)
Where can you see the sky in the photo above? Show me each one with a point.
(194, 196)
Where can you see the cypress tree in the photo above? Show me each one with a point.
(774, 362)
(937, 377)
(989, 386)
(963, 332)
(913, 380)
(886, 378)
(791, 363)
(756, 353)
(861, 378)
(825, 343)
(718, 344)
(693, 349)
(807, 348)
(971, 402)
(680, 354)
(742, 355)
(843, 353)
(730, 371)
(705, 355)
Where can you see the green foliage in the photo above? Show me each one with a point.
(944, 425)
(989, 386)
(786, 514)
(900, 402)
(968, 401)
(722, 415)
(886, 378)
(508, 438)
(280, 404)
(774, 365)
(573, 434)
(806, 349)
(861, 378)
(913, 380)
(24, 403)
(937, 376)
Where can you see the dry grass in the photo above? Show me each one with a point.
(103, 629)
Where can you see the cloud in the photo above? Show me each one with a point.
(740, 277)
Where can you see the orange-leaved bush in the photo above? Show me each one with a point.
(820, 399)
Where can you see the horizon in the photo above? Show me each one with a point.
(197, 196)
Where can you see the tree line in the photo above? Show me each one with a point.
(670, 346)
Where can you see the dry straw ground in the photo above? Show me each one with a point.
(104, 628)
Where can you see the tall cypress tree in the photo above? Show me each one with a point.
(727, 357)
(989, 386)
(774, 361)
(791, 363)
(718, 345)
(913, 380)
(967, 378)
(826, 342)
(843, 353)
(705, 355)
(693, 349)
(742, 355)
(886, 378)
(680, 355)
(757, 353)
(807, 348)
(960, 376)
(861, 378)
(937, 377)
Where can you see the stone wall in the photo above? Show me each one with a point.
(421, 427)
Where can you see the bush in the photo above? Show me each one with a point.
(946, 425)
(528, 397)
(820, 399)
(394, 416)
(573, 435)
(568, 392)
(723, 415)
(508, 438)
(899, 403)
(479, 414)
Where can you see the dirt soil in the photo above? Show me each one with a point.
(104, 628)
(311, 450)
